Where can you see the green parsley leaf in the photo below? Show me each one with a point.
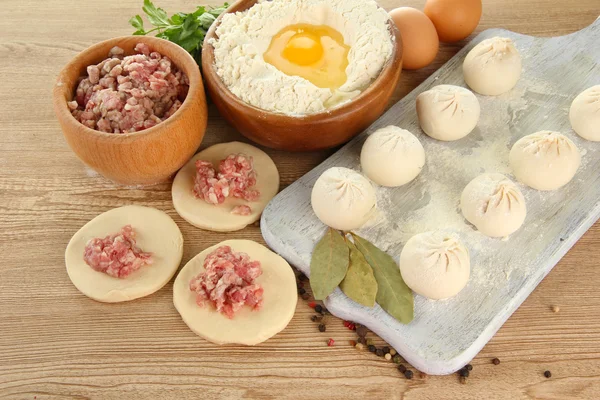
(156, 16)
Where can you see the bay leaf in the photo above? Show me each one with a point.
(328, 264)
(393, 295)
(359, 284)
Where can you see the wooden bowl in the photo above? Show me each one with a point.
(311, 132)
(141, 158)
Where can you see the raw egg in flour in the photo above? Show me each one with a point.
(419, 38)
(316, 53)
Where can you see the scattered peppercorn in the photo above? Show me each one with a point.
(372, 348)
(463, 380)
(299, 285)
(360, 346)
(352, 343)
(322, 328)
(302, 277)
(312, 304)
(496, 361)
(369, 341)
(379, 353)
(330, 342)
(386, 349)
(388, 356)
(361, 330)
(408, 374)
(362, 340)
(319, 309)
(313, 318)
(555, 308)
(547, 374)
(396, 359)
(393, 352)
(350, 325)
(305, 296)
(469, 367)
(301, 291)
(464, 372)
(402, 368)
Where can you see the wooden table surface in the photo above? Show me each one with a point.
(56, 343)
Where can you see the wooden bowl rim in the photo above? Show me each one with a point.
(209, 71)
(61, 92)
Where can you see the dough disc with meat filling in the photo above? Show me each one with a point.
(247, 327)
(155, 232)
(219, 218)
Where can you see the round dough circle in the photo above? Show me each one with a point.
(392, 156)
(448, 112)
(343, 199)
(544, 160)
(218, 217)
(155, 231)
(585, 114)
(435, 264)
(247, 327)
(494, 204)
(493, 66)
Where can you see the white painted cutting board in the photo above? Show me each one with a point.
(446, 335)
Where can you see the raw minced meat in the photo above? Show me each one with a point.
(241, 210)
(235, 178)
(116, 255)
(129, 93)
(228, 282)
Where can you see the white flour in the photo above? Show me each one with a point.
(244, 37)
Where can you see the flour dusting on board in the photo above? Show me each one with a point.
(447, 334)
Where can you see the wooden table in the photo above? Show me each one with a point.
(56, 343)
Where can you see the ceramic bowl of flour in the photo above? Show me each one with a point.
(303, 132)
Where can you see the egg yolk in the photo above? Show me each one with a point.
(316, 53)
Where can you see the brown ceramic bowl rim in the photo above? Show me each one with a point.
(61, 92)
(209, 69)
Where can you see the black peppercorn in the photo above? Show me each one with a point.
(469, 367)
(547, 374)
(313, 318)
(402, 368)
(464, 373)
(408, 374)
(386, 349)
(379, 352)
(305, 296)
(496, 361)
(361, 340)
(319, 309)
(301, 291)
(322, 328)
(372, 348)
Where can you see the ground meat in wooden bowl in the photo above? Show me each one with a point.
(126, 94)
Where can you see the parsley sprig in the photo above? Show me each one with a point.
(185, 29)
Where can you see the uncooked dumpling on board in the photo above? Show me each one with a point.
(343, 199)
(392, 156)
(544, 160)
(493, 66)
(435, 264)
(494, 204)
(448, 112)
(585, 114)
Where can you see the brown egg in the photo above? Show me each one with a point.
(419, 37)
(454, 20)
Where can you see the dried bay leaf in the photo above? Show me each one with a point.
(393, 295)
(359, 284)
(329, 264)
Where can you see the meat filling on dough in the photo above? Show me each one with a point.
(116, 255)
(227, 282)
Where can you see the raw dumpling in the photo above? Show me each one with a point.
(448, 112)
(544, 160)
(494, 204)
(493, 66)
(585, 114)
(435, 264)
(343, 199)
(392, 156)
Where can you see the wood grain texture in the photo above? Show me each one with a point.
(56, 344)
